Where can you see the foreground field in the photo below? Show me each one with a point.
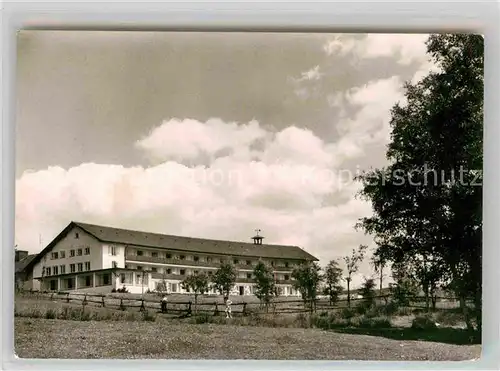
(43, 338)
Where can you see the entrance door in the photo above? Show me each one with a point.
(242, 291)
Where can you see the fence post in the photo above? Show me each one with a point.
(189, 308)
(103, 305)
(52, 296)
(84, 302)
(216, 311)
(244, 309)
(67, 297)
(142, 308)
(122, 307)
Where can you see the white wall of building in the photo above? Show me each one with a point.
(112, 253)
(75, 240)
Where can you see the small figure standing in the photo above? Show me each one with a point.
(228, 303)
(164, 304)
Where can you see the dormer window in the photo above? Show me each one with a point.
(77, 236)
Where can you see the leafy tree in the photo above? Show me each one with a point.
(404, 288)
(352, 265)
(368, 292)
(265, 287)
(197, 283)
(307, 278)
(161, 287)
(224, 278)
(333, 277)
(428, 201)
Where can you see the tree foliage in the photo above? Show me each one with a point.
(307, 278)
(368, 292)
(265, 288)
(197, 283)
(333, 277)
(224, 278)
(427, 204)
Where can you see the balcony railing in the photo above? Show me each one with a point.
(186, 262)
(156, 275)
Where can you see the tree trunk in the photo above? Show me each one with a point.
(381, 278)
(349, 292)
(465, 312)
(433, 296)
(426, 294)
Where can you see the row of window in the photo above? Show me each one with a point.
(72, 253)
(61, 269)
(182, 272)
(208, 259)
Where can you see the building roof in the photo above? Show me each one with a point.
(23, 263)
(180, 243)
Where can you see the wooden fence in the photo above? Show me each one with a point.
(213, 306)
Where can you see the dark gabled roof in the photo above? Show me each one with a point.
(199, 245)
(23, 263)
(163, 241)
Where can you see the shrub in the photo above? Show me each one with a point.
(123, 290)
(391, 308)
(35, 313)
(85, 315)
(50, 314)
(320, 321)
(449, 317)
(202, 318)
(130, 316)
(423, 322)
(375, 322)
(148, 316)
(302, 320)
(361, 308)
(347, 313)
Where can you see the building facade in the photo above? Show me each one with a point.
(23, 278)
(86, 257)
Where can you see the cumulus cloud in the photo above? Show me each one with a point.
(407, 48)
(312, 74)
(218, 179)
(285, 190)
(189, 139)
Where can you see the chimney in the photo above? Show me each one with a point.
(257, 239)
(20, 255)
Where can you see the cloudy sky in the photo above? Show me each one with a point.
(206, 134)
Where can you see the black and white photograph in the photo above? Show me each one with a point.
(248, 195)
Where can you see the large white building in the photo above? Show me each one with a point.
(95, 258)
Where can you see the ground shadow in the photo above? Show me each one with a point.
(446, 335)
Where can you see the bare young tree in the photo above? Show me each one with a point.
(352, 265)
